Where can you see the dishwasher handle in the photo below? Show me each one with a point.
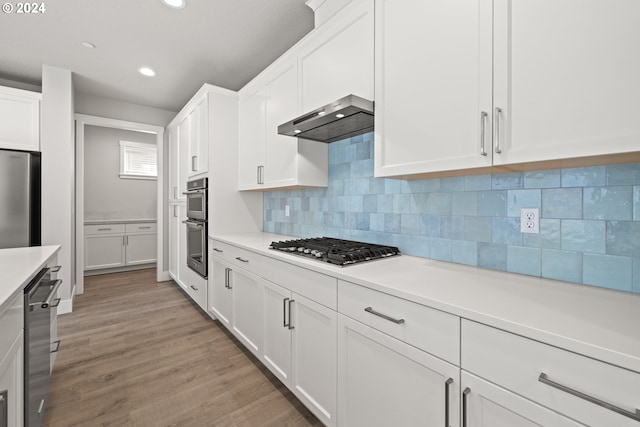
(47, 301)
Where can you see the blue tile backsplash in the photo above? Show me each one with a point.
(589, 217)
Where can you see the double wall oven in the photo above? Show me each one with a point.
(196, 223)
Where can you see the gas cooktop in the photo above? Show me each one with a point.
(335, 251)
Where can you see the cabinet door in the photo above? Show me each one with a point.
(433, 83)
(314, 357)
(174, 162)
(183, 155)
(247, 309)
(251, 141)
(19, 119)
(276, 346)
(174, 233)
(566, 79)
(487, 405)
(105, 251)
(199, 138)
(384, 381)
(338, 60)
(12, 383)
(220, 294)
(141, 248)
(281, 105)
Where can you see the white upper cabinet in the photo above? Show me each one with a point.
(19, 119)
(503, 82)
(433, 79)
(251, 140)
(337, 60)
(566, 78)
(199, 138)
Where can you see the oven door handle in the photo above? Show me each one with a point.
(193, 224)
(186, 193)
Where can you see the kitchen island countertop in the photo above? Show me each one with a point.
(18, 266)
(592, 321)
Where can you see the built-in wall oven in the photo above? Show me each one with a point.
(196, 224)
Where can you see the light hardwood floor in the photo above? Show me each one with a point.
(137, 353)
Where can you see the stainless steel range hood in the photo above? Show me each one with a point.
(344, 118)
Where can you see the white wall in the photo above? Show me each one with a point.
(110, 108)
(58, 176)
(106, 195)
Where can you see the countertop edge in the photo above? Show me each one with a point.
(258, 243)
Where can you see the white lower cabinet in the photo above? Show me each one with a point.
(300, 348)
(247, 308)
(314, 352)
(487, 405)
(119, 245)
(385, 382)
(219, 295)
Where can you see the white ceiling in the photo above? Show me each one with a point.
(222, 42)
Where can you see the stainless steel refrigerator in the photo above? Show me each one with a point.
(20, 223)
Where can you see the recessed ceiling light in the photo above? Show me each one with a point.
(88, 45)
(176, 4)
(339, 115)
(146, 71)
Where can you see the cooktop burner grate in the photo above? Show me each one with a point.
(335, 251)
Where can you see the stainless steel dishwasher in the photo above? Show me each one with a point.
(38, 300)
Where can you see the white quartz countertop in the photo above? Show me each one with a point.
(117, 221)
(18, 266)
(595, 322)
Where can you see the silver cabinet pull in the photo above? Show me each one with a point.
(260, 174)
(289, 325)
(284, 313)
(104, 229)
(496, 123)
(194, 288)
(57, 343)
(175, 211)
(56, 303)
(544, 379)
(384, 316)
(194, 160)
(126, 238)
(55, 268)
(41, 407)
(144, 228)
(483, 118)
(227, 282)
(447, 383)
(123, 244)
(218, 250)
(242, 259)
(464, 406)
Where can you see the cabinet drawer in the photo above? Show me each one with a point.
(146, 227)
(235, 255)
(104, 229)
(433, 331)
(516, 363)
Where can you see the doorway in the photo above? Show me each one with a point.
(82, 124)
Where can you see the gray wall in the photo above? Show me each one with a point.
(106, 195)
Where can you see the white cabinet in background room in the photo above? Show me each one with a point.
(504, 82)
(119, 245)
(268, 160)
(19, 119)
(337, 58)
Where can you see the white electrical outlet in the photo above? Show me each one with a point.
(286, 210)
(530, 220)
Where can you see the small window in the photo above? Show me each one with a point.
(138, 160)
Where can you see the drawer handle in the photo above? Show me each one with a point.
(242, 259)
(284, 313)
(545, 380)
(194, 288)
(57, 343)
(289, 325)
(218, 250)
(384, 316)
(144, 228)
(447, 383)
(104, 229)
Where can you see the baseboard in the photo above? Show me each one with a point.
(118, 269)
